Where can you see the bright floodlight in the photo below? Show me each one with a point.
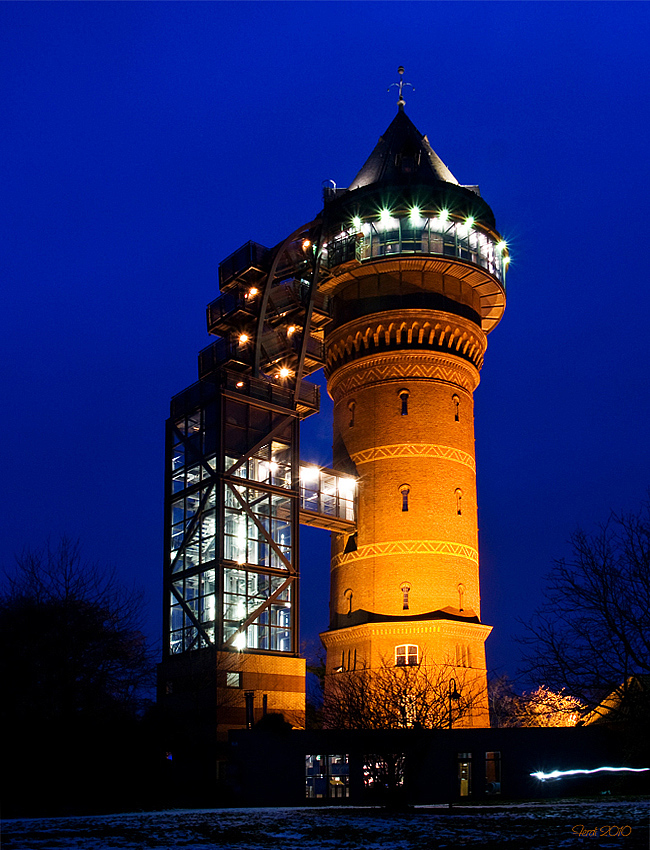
(240, 641)
(502, 245)
(469, 221)
(309, 473)
(385, 218)
(356, 223)
(414, 215)
(252, 292)
(284, 372)
(443, 215)
(346, 487)
(243, 338)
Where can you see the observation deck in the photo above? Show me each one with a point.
(438, 242)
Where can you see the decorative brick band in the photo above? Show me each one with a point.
(409, 366)
(414, 450)
(407, 329)
(408, 547)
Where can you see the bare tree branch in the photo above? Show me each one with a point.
(591, 635)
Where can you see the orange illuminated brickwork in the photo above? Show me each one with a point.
(402, 381)
(277, 684)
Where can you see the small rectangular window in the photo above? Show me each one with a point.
(406, 656)
(233, 680)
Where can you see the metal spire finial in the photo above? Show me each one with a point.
(401, 102)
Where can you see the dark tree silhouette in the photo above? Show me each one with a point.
(76, 674)
(591, 635)
(391, 697)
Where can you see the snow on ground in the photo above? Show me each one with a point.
(534, 826)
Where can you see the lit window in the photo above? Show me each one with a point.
(233, 680)
(456, 401)
(405, 490)
(406, 656)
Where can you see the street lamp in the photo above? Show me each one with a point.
(453, 694)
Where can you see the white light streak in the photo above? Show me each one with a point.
(556, 774)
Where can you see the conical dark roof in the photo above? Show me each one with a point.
(402, 154)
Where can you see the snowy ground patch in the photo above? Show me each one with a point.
(559, 824)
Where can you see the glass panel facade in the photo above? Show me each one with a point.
(323, 491)
(232, 537)
(431, 235)
(244, 592)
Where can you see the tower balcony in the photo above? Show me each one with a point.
(224, 352)
(223, 361)
(277, 394)
(245, 266)
(230, 311)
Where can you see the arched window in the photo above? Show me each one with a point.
(461, 595)
(351, 407)
(459, 500)
(406, 656)
(404, 398)
(348, 596)
(456, 401)
(405, 490)
(406, 588)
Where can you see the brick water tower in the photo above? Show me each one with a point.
(417, 284)
(391, 289)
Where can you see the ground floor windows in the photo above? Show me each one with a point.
(464, 774)
(493, 773)
(384, 771)
(367, 777)
(327, 776)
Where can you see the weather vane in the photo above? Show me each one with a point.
(401, 102)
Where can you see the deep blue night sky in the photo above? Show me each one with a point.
(144, 142)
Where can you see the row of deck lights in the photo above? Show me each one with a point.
(388, 221)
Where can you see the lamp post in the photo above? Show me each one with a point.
(453, 694)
